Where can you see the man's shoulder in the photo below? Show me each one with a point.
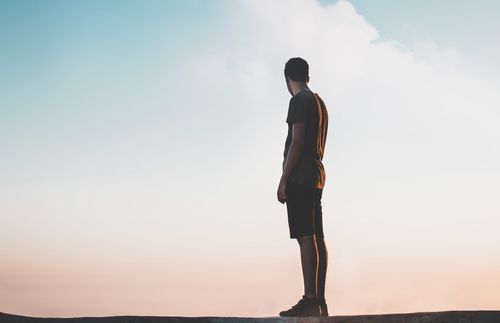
(304, 93)
(303, 97)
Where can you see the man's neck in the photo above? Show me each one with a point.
(302, 89)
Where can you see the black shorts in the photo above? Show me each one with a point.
(303, 205)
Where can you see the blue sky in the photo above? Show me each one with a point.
(141, 147)
(66, 66)
(468, 26)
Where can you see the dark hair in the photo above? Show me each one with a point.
(297, 69)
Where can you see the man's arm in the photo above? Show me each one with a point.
(295, 150)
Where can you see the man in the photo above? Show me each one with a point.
(301, 185)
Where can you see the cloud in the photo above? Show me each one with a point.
(413, 140)
(394, 112)
(381, 94)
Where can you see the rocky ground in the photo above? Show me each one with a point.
(421, 317)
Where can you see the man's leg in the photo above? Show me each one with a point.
(314, 258)
(323, 264)
(309, 259)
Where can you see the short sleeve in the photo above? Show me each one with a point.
(298, 108)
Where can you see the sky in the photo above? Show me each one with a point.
(141, 147)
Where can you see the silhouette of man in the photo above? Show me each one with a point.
(301, 185)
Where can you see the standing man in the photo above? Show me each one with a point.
(301, 185)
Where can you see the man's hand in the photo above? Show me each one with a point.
(294, 153)
(282, 190)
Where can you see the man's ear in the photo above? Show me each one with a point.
(307, 79)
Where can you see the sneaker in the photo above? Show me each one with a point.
(323, 307)
(305, 307)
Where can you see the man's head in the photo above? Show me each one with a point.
(297, 72)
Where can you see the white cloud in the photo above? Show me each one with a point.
(413, 141)
(394, 111)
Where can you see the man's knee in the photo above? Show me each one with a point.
(305, 238)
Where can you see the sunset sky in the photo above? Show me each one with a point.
(141, 146)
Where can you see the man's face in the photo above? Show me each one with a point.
(288, 85)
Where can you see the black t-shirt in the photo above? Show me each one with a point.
(306, 106)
